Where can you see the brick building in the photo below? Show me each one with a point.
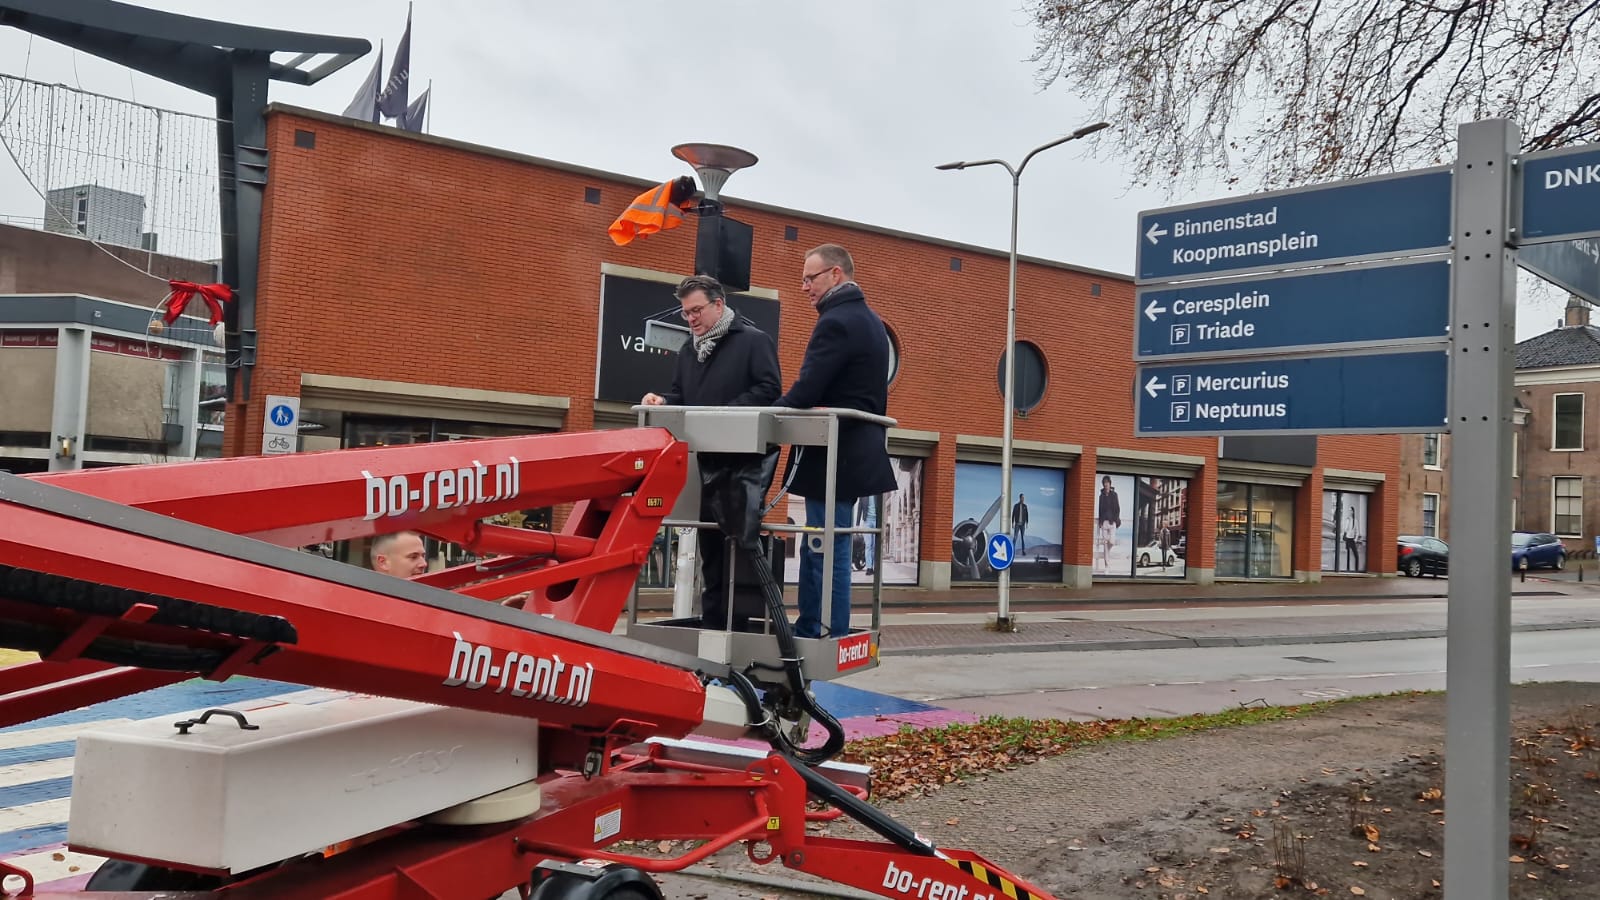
(1555, 468)
(81, 382)
(476, 292)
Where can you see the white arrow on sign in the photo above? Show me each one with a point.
(1155, 231)
(1152, 386)
(1151, 310)
(998, 551)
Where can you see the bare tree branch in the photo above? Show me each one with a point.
(1278, 92)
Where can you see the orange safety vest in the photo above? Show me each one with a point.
(650, 212)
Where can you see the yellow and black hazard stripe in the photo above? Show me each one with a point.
(993, 879)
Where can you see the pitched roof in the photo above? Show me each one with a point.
(1570, 346)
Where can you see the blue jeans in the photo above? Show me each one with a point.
(809, 625)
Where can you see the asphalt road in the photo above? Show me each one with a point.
(1123, 684)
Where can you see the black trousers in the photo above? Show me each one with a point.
(714, 573)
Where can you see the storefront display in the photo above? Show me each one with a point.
(1344, 531)
(1255, 530)
(902, 523)
(1036, 521)
(1141, 525)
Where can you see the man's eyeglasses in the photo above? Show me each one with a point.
(690, 312)
(807, 279)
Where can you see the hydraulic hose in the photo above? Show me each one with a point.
(791, 667)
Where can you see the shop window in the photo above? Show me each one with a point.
(1036, 534)
(1567, 428)
(1255, 530)
(1430, 515)
(1344, 531)
(1141, 526)
(1568, 506)
(900, 513)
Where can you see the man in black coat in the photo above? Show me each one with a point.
(728, 362)
(846, 366)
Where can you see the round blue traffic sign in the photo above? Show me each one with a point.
(281, 415)
(1000, 552)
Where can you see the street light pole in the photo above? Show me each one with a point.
(1003, 619)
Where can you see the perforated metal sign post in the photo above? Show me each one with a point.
(1478, 645)
(1486, 217)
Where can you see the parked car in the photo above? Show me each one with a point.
(1151, 555)
(1537, 550)
(1419, 556)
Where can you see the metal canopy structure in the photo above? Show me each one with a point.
(230, 63)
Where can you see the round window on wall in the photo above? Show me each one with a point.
(894, 352)
(1032, 376)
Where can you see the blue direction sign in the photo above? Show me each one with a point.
(1350, 306)
(1368, 218)
(1327, 394)
(1001, 553)
(1573, 266)
(1560, 195)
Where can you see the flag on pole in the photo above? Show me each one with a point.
(416, 113)
(392, 102)
(365, 104)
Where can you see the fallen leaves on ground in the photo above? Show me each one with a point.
(912, 761)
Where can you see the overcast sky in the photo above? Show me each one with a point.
(849, 105)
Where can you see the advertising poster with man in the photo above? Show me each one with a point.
(1113, 524)
(1160, 544)
(1140, 526)
(1036, 521)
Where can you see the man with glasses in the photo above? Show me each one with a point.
(846, 366)
(728, 362)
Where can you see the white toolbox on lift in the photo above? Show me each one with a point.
(306, 776)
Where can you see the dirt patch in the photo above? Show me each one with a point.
(1378, 834)
(1237, 813)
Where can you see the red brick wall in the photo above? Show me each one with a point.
(402, 257)
(1417, 479)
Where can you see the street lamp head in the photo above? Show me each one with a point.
(714, 163)
(952, 165)
(1090, 129)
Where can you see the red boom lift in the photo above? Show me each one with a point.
(481, 747)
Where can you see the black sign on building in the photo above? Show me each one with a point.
(637, 319)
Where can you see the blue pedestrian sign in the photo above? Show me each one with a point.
(1351, 393)
(1367, 218)
(1560, 195)
(281, 415)
(1347, 307)
(1000, 552)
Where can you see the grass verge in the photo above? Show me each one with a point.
(914, 761)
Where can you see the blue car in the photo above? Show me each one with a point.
(1537, 550)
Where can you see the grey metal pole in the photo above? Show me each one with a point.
(830, 496)
(1478, 652)
(1003, 620)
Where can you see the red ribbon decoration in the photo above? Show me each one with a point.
(214, 296)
